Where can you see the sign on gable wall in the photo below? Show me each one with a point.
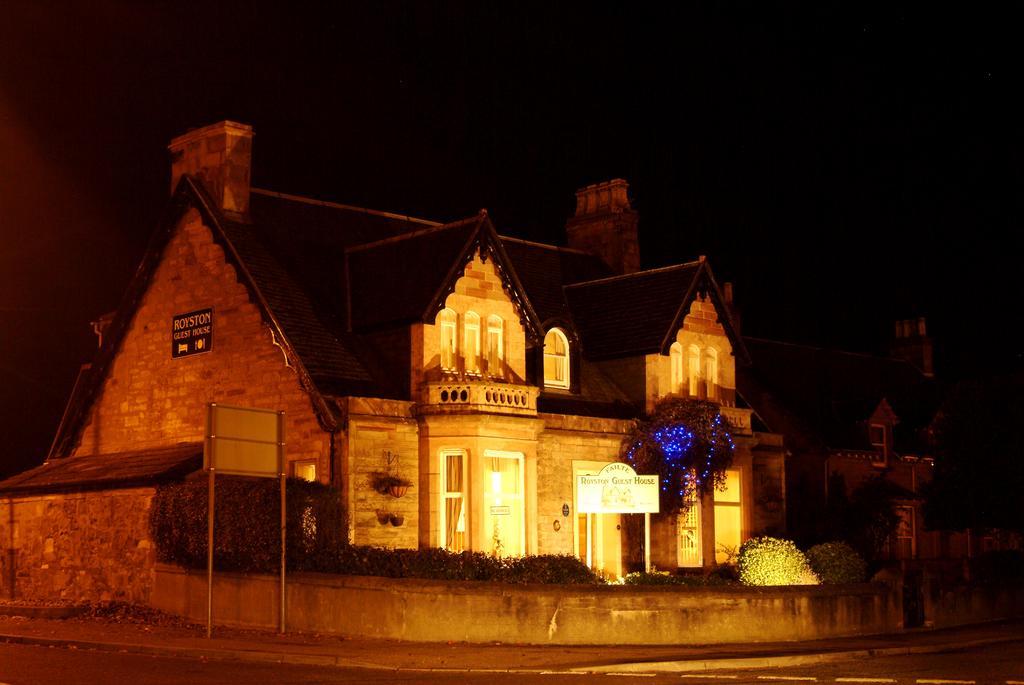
(192, 333)
(617, 489)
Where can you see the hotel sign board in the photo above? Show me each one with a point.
(617, 489)
(192, 333)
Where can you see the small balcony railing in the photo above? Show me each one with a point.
(739, 419)
(469, 396)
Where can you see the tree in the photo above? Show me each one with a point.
(979, 457)
(866, 518)
(687, 443)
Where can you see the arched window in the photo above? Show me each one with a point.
(711, 372)
(472, 347)
(495, 345)
(447, 324)
(676, 378)
(556, 359)
(693, 369)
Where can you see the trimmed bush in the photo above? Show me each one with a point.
(836, 563)
(247, 521)
(440, 564)
(771, 561)
(666, 578)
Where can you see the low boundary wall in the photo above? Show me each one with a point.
(472, 611)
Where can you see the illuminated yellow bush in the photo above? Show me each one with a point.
(771, 561)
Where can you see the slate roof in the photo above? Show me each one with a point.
(328, 277)
(545, 269)
(628, 315)
(106, 471)
(833, 393)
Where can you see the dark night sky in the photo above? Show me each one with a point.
(844, 165)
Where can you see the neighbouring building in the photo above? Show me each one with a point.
(486, 370)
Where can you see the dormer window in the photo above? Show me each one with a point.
(675, 355)
(556, 359)
(472, 348)
(878, 436)
(447, 323)
(495, 345)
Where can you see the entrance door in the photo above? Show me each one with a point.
(503, 504)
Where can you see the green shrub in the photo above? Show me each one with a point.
(548, 568)
(771, 561)
(247, 519)
(837, 562)
(666, 578)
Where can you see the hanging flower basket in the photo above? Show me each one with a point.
(388, 484)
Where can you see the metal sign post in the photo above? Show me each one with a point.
(244, 442)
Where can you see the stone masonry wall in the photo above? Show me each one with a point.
(151, 400)
(566, 439)
(83, 547)
(380, 430)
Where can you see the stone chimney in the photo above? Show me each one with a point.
(220, 155)
(913, 345)
(605, 225)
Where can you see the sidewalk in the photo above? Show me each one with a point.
(246, 645)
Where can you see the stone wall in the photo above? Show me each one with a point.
(564, 440)
(379, 431)
(91, 546)
(151, 400)
(410, 609)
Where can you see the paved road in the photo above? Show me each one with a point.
(33, 665)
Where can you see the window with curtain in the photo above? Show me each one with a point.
(711, 372)
(693, 369)
(495, 345)
(447, 324)
(556, 359)
(472, 347)
(453, 496)
(675, 354)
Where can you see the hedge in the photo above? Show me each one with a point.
(247, 521)
(837, 562)
(247, 538)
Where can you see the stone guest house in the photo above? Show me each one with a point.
(486, 370)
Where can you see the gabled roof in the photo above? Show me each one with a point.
(834, 393)
(640, 313)
(545, 269)
(104, 471)
(406, 278)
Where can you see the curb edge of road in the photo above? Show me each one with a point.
(679, 666)
(810, 659)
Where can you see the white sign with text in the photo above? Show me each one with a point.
(617, 489)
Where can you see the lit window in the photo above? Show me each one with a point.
(306, 470)
(676, 356)
(689, 551)
(447, 323)
(711, 372)
(472, 348)
(693, 369)
(495, 344)
(556, 359)
(453, 500)
(728, 519)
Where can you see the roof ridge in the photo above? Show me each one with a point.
(645, 272)
(850, 353)
(560, 248)
(338, 205)
(413, 234)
